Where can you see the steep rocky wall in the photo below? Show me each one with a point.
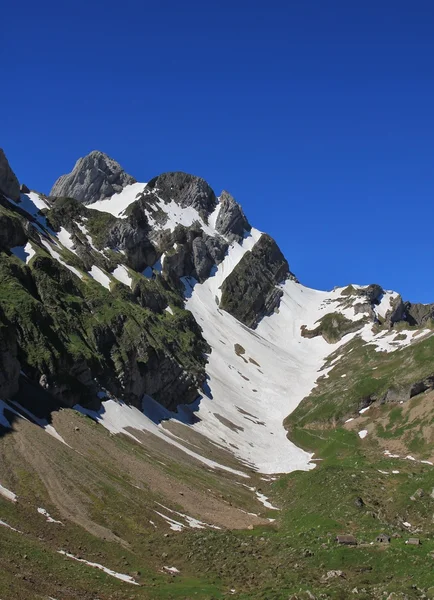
(8, 181)
(250, 292)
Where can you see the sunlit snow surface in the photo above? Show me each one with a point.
(117, 204)
(121, 576)
(7, 494)
(257, 391)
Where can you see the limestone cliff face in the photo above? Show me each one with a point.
(94, 177)
(9, 185)
(250, 292)
(231, 220)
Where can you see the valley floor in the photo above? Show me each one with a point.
(99, 515)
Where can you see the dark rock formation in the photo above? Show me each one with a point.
(12, 231)
(249, 292)
(231, 221)
(419, 314)
(9, 365)
(397, 394)
(396, 313)
(94, 177)
(201, 259)
(217, 248)
(186, 190)
(9, 185)
(333, 327)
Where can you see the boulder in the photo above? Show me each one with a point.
(94, 177)
(9, 185)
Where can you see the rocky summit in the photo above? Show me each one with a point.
(94, 177)
(181, 417)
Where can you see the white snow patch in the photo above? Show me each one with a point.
(169, 310)
(363, 410)
(406, 524)
(99, 276)
(362, 434)
(389, 455)
(7, 494)
(4, 524)
(122, 274)
(47, 515)
(117, 204)
(64, 238)
(174, 525)
(24, 253)
(385, 303)
(349, 420)
(57, 256)
(387, 342)
(262, 498)
(120, 576)
(191, 521)
(171, 569)
(395, 472)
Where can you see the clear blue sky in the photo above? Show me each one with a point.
(317, 115)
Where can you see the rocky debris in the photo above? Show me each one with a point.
(359, 502)
(332, 575)
(9, 184)
(249, 292)
(186, 190)
(231, 221)
(94, 177)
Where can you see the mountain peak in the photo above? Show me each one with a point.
(94, 177)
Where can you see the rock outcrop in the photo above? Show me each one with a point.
(9, 185)
(94, 177)
(186, 190)
(231, 220)
(250, 292)
(419, 314)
